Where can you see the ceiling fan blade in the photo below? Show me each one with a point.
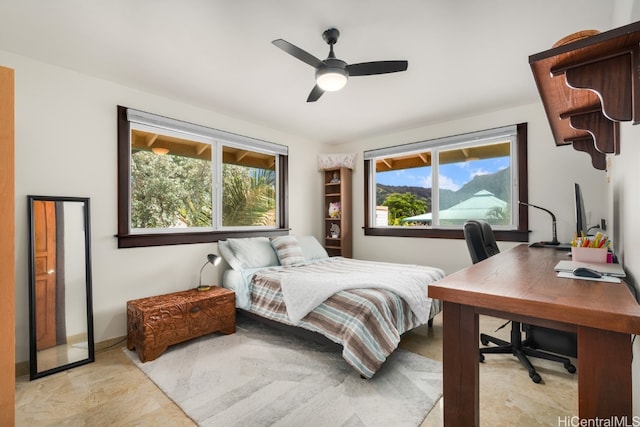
(302, 55)
(316, 93)
(377, 67)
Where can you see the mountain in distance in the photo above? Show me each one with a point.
(497, 183)
(384, 190)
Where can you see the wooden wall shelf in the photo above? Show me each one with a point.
(588, 86)
(337, 189)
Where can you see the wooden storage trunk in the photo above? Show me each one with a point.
(157, 322)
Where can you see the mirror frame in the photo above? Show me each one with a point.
(33, 360)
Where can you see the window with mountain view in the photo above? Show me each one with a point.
(430, 188)
(187, 184)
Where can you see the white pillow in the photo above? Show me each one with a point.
(253, 252)
(288, 250)
(311, 248)
(227, 253)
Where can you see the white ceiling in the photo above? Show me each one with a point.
(465, 56)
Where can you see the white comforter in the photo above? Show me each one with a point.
(302, 293)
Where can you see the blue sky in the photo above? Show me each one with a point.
(452, 175)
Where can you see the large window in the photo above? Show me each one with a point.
(184, 183)
(430, 188)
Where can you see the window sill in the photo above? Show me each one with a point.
(162, 239)
(501, 235)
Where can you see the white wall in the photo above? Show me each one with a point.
(552, 172)
(66, 145)
(624, 203)
(624, 198)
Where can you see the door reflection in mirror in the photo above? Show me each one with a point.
(61, 324)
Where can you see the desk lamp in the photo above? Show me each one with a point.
(211, 259)
(554, 240)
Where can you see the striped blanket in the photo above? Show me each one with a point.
(367, 322)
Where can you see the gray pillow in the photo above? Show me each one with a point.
(252, 252)
(227, 254)
(311, 248)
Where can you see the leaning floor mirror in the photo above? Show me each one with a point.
(60, 301)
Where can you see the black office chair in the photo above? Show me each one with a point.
(482, 245)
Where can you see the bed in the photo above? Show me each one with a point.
(363, 306)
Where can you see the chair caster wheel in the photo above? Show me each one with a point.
(535, 378)
(570, 368)
(481, 358)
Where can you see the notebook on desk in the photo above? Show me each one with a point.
(605, 269)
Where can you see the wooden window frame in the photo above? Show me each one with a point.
(521, 234)
(126, 239)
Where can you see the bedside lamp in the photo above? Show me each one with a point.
(213, 259)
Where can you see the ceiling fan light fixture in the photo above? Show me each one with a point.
(332, 73)
(331, 79)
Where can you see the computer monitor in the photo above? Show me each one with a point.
(581, 215)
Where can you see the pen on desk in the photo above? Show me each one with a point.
(598, 241)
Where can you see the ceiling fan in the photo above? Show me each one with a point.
(332, 73)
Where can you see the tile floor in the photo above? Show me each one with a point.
(113, 392)
(508, 397)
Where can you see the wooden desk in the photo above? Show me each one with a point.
(520, 284)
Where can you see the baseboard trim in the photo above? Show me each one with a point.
(22, 368)
(112, 342)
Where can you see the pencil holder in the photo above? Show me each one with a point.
(589, 254)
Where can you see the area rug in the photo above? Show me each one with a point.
(261, 376)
